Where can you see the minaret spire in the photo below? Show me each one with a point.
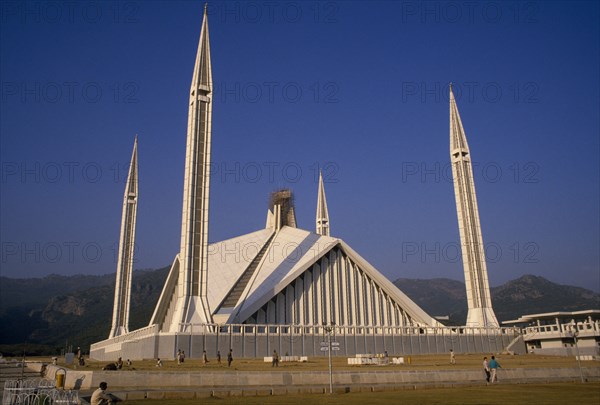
(120, 322)
(322, 212)
(192, 303)
(480, 312)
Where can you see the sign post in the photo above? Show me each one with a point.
(575, 333)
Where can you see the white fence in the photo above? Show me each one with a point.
(37, 391)
(257, 341)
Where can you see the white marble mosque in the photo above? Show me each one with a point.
(282, 279)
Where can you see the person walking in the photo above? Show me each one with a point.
(494, 366)
(486, 369)
(229, 357)
(452, 357)
(178, 356)
(204, 358)
(275, 359)
(218, 356)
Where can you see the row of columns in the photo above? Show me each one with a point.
(334, 290)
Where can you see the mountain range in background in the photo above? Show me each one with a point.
(526, 295)
(46, 315)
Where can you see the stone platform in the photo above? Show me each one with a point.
(202, 384)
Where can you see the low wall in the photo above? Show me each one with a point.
(152, 380)
(566, 351)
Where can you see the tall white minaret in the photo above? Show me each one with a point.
(120, 321)
(192, 303)
(322, 212)
(479, 302)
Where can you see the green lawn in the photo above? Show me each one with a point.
(418, 362)
(526, 394)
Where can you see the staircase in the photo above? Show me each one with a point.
(517, 346)
(236, 292)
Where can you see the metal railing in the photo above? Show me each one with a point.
(565, 329)
(266, 329)
(36, 391)
(136, 334)
(258, 340)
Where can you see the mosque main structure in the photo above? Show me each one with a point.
(280, 277)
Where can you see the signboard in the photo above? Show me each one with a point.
(335, 348)
(324, 344)
(335, 343)
(324, 349)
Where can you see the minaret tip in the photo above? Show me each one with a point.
(322, 219)
(205, 8)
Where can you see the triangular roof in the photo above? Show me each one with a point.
(292, 251)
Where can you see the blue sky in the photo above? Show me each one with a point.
(358, 89)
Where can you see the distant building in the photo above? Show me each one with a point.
(554, 333)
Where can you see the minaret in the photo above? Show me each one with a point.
(192, 303)
(479, 302)
(322, 213)
(120, 322)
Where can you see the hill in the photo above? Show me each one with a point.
(56, 311)
(45, 314)
(526, 295)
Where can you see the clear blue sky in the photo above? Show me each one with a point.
(357, 88)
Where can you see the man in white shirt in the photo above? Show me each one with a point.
(100, 397)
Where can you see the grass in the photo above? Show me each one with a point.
(418, 362)
(515, 394)
(527, 394)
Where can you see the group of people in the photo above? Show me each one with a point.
(229, 357)
(181, 358)
(490, 368)
(205, 360)
(117, 365)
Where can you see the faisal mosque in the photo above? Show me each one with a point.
(283, 287)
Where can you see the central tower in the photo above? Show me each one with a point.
(192, 303)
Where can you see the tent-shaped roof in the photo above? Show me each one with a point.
(284, 259)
